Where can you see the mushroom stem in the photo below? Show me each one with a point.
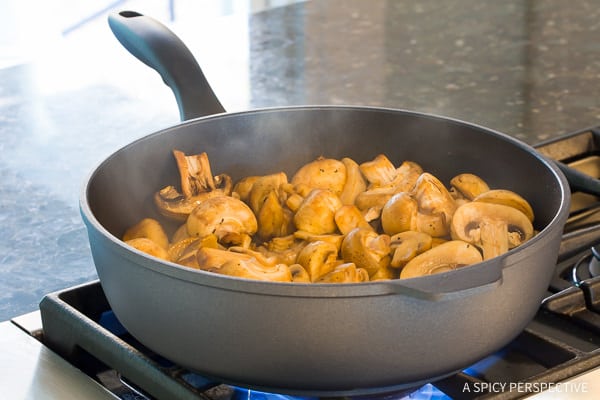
(494, 238)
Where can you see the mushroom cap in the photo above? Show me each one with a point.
(317, 258)
(407, 245)
(221, 216)
(469, 185)
(148, 228)
(442, 258)
(148, 246)
(323, 173)
(367, 249)
(345, 273)
(316, 214)
(508, 198)
(355, 182)
(251, 269)
(399, 214)
(495, 228)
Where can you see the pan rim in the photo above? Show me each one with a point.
(313, 290)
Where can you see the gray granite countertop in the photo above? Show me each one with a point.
(530, 69)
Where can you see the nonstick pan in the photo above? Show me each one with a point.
(313, 339)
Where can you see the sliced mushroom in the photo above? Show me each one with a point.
(197, 185)
(407, 245)
(318, 258)
(355, 182)
(406, 177)
(349, 217)
(333, 238)
(384, 274)
(195, 173)
(399, 214)
(148, 228)
(379, 172)
(263, 187)
(468, 185)
(299, 274)
(226, 217)
(345, 273)
(180, 233)
(183, 248)
(174, 205)
(294, 201)
(367, 249)
(210, 258)
(285, 249)
(445, 257)
(374, 199)
(149, 247)
(323, 173)
(494, 228)
(273, 218)
(243, 187)
(508, 198)
(262, 258)
(251, 269)
(316, 214)
(436, 206)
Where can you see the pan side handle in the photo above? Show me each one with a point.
(159, 48)
(448, 286)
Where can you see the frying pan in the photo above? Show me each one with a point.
(326, 339)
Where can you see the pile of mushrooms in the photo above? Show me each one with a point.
(335, 221)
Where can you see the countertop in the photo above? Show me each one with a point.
(70, 95)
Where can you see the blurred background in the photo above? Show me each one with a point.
(70, 95)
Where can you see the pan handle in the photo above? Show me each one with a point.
(441, 287)
(158, 47)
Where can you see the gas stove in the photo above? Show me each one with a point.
(556, 356)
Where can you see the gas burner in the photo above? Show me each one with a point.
(594, 265)
(586, 267)
(581, 270)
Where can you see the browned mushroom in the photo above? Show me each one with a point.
(345, 273)
(148, 228)
(407, 245)
(349, 217)
(468, 185)
(251, 269)
(399, 214)
(299, 274)
(367, 249)
(494, 228)
(316, 214)
(436, 206)
(197, 185)
(318, 258)
(149, 247)
(228, 218)
(508, 198)
(323, 173)
(445, 257)
(355, 182)
(379, 172)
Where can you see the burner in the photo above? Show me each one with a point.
(587, 267)
(594, 265)
(581, 270)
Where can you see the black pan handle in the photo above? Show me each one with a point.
(158, 47)
(579, 181)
